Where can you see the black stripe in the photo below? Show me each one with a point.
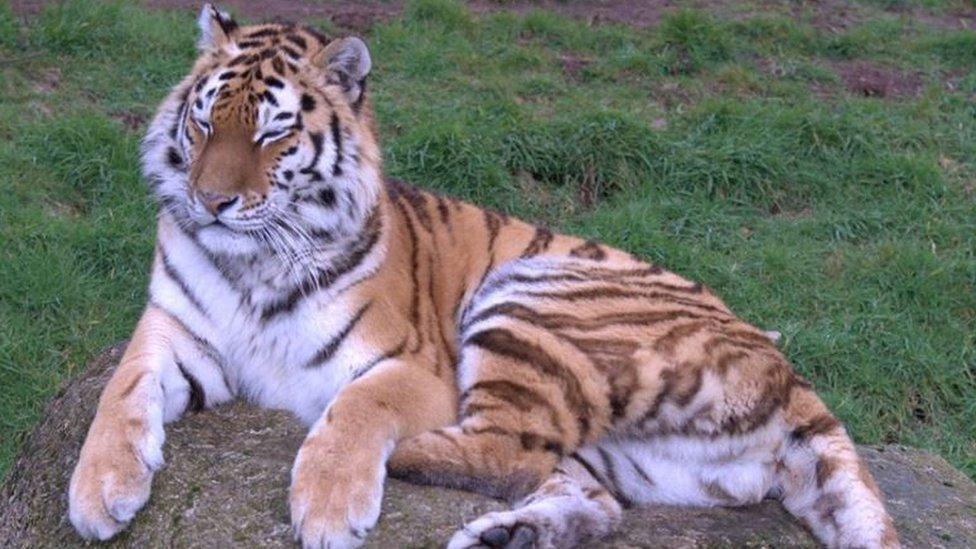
(291, 52)
(175, 276)
(337, 140)
(624, 500)
(325, 353)
(227, 25)
(443, 210)
(523, 398)
(356, 252)
(609, 466)
(297, 40)
(132, 385)
(323, 39)
(392, 353)
(317, 139)
(308, 102)
(263, 32)
(278, 65)
(493, 222)
(589, 250)
(174, 159)
(244, 57)
(205, 345)
(609, 292)
(414, 265)
(605, 276)
(198, 399)
(530, 442)
(418, 203)
(559, 321)
(218, 265)
(271, 135)
(640, 472)
(358, 103)
(502, 342)
(539, 243)
(327, 197)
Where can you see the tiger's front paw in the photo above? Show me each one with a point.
(112, 479)
(335, 494)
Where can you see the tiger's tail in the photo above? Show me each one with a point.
(825, 484)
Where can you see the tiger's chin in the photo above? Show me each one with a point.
(220, 239)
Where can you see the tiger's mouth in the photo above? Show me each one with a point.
(231, 218)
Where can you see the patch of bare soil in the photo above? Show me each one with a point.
(830, 15)
(861, 77)
(636, 13)
(867, 79)
(47, 81)
(572, 65)
(958, 20)
(345, 14)
(132, 121)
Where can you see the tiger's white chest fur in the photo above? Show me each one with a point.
(271, 349)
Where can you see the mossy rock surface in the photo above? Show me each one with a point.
(226, 483)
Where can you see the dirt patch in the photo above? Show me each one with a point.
(957, 20)
(859, 77)
(830, 15)
(47, 81)
(869, 80)
(344, 14)
(572, 65)
(133, 122)
(636, 13)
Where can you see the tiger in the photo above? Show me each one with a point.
(423, 337)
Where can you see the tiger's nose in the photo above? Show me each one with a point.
(216, 203)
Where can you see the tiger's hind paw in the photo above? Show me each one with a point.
(507, 530)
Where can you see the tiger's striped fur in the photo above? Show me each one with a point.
(425, 336)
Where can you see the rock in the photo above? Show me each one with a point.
(226, 484)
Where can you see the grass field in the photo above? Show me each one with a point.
(818, 176)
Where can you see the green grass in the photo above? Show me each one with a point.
(726, 148)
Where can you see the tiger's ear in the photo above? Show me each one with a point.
(216, 28)
(347, 63)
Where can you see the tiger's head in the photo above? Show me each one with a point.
(268, 141)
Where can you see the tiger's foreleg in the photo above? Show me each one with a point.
(337, 478)
(163, 372)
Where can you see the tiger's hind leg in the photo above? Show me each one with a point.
(583, 500)
(514, 429)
